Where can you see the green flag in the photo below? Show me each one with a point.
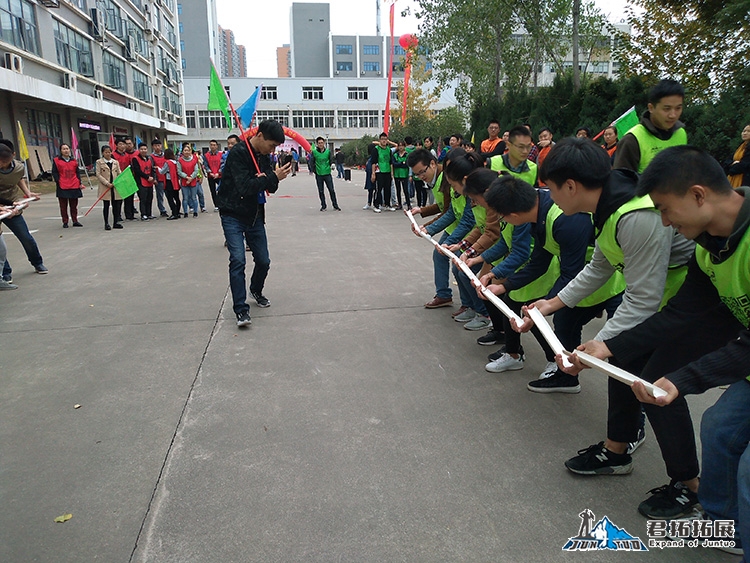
(125, 183)
(625, 122)
(217, 97)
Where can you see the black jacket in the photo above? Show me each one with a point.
(240, 184)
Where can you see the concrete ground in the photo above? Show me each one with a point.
(347, 424)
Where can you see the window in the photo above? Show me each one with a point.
(312, 92)
(18, 25)
(371, 49)
(370, 66)
(141, 87)
(176, 107)
(134, 31)
(179, 9)
(277, 115)
(211, 120)
(80, 4)
(398, 50)
(113, 18)
(343, 49)
(190, 118)
(312, 119)
(398, 66)
(394, 93)
(114, 71)
(169, 30)
(269, 93)
(357, 92)
(170, 4)
(73, 49)
(601, 67)
(44, 129)
(359, 119)
(343, 65)
(182, 30)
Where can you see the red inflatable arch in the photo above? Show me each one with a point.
(291, 133)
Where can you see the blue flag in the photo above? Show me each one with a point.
(247, 110)
(138, 141)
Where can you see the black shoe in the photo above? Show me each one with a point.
(107, 227)
(117, 226)
(65, 225)
(260, 299)
(184, 214)
(491, 338)
(173, 217)
(669, 501)
(337, 208)
(243, 319)
(130, 218)
(144, 218)
(77, 224)
(495, 355)
(322, 208)
(194, 214)
(560, 382)
(164, 214)
(598, 460)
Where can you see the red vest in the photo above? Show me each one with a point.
(172, 164)
(188, 167)
(146, 167)
(213, 161)
(68, 173)
(159, 161)
(123, 159)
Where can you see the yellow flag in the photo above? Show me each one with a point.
(23, 150)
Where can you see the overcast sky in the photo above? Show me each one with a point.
(348, 17)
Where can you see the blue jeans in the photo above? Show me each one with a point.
(468, 293)
(442, 266)
(339, 171)
(159, 188)
(236, 233)
(17, 225)
(189, 199)
(724, 490)
(201, 198)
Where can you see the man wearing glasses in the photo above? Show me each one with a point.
(515, 161)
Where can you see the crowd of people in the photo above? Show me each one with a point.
(646, 230)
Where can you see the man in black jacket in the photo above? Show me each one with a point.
(245, 180)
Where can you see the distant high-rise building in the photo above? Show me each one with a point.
(199, 36)
(231, 55)
(283, 61)
(310, 28)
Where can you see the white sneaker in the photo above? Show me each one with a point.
(506, 362)
(366, 207)
(549, 370)
(376, 209)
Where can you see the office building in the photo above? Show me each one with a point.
(232, 56)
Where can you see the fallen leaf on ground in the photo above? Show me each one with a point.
(63, 518)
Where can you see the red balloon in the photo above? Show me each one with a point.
(408, 41)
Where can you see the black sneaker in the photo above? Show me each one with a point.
(598, 460)
(260, 299)
(491, 338)
(243, 319)
(560, 382)
(669, 501)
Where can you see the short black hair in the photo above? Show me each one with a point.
(576, 159)
(127, 138)
(518, 131)
(429, 138)
(508, 194)
(493, 120)
(409, 140)
(186, 144)
(664, 88)
(5, 152)
(213, 141)
(446, 140)
(543, 129)
(142, 144)
(478, 181)
(383, 134)
(155, 142)
(320, 139)
(235, 137)
(8, 143)
(458, 137)
(420, 156)
(272, 130)
(105, 147)
(586, 129)
(675, 169)
(461, 165)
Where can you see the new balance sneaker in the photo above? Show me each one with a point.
(480, 322)
(696, 520)
(669, 501)
(491, 338)
(41, 269)
(549, 370)
(598, 460)
(632, 446)
(243, 319)
(7, 285)
(466, 316)
(559, 382)
(260, 299)
(506, 362)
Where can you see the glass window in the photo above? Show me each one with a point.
(344, 65)
(18, 25)
(359, 119)
(357, 92)
(73, 49)
(44, 129)
(371, 49)
(190, 118)
(312, 119)
(398, 50)
(282, 116)
(343, 49)
(312, 92)
(141, 87)
(114, 71)
(371, 66)
(211, 120)
(269, 93)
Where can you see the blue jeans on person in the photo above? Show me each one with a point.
(201, 198)
(467, 292)
(159, 189)
(326, 179)
(236, 234)
(340, 170)
(724, 490)
(189, 198)
(17, 225)
(442, 266)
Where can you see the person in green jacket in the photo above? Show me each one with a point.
(322, 160)
(401, 174)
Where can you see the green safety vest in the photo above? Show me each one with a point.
(613, 286)
(322, 161)
(438, 194)
(400, 172)
(458, 203)
(651, 145)
(384, 159)
(607, 241)
(498, 164)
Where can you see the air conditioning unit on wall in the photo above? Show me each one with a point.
(14, 62)
(70, 81)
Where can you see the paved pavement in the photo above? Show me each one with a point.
(347, 424)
